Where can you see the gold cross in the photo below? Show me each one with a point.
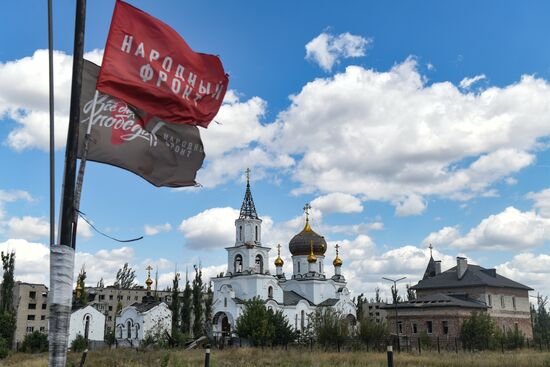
(306, 210)
(149, 268)
(337, 247)
(279, 249)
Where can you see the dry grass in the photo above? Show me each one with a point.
(253, 357)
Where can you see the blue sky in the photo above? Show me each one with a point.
(404, 123)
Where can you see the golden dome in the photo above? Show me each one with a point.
(337, 261)
(278, 260)
(311, 258)
(78, 286)
(149, 281)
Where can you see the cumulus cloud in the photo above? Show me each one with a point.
(210, 229)
(154, 230)
(24, 97)
(541, 201)
(10, 197)
(392, 136)
(466, 83)
(529, 269)
(327, 49)
(510, 229)
(444, 237)
(337, 202)
(29, 228)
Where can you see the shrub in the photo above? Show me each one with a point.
(4, 350)
(370, 332)
(330, 327)
(79, 344)
(478, 332)
(35, 342)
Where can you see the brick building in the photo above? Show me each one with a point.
(445, 299)
(30, 302)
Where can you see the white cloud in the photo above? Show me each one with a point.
(28, 228)
(392, 135)
(154, 230)
(327, 49)
(211, 229)
(529, 269)
(444, 237)
(466, 83)
(24, 97)
(510, 229)
(410, 205)
(10, 197)
(337, 202)
(541, 202)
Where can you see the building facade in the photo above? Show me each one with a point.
(89, 323)
(445, 299)
(248, 276)
(30, 302)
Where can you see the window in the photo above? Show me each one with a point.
(514, 302)
(502, 304)
(87, 327)
(32, 306)
(44, 306)
(32, 294)
(298, 267)
(445, 325)
(110, 308)
(240, 233)
(135, 298)
(225, 302)
(111, 319)
(101, 297)
(129, 330)
(429, 327)
(30, 329)
(270, 292)
(42, 329)
(489, 301)
(30, 317)
(302, 320)
(400, 327)
(259, 264)
(110, 297)
(320, 267)
(256, 233)
(414, 327)
(238, 265)
(128, 298)
(43, 317)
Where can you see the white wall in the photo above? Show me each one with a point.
(96, 329)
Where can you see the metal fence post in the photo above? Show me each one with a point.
(390, 356)
(207, 357)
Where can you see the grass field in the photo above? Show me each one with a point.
(252, 357)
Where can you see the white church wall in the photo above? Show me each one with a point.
(96, 324)
(157, 320)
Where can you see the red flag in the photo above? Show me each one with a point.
(148, 65)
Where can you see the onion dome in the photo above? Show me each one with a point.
(311, 257)
(278, 260)
(149, 281)
(337, 261)
(301, 243)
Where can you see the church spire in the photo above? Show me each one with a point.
(248, 210)
(431, 268)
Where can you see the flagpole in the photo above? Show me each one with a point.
(82, 167)
(52, 135)
(62, 254)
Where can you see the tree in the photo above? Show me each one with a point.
(395, 295)
(100, 284)
(125, 277)
(81, 279)
(254, 323)
(377, 298)
(35, 342)
(360, 301)
(175, 306)
(7, 313)
(330, 327)
(478, 331)
(283, 332)
(411, 294)
(197, 303)
(541, 320)
(208, 304)
(370, 332)
(186, 308)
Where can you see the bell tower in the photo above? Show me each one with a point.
(248, 226)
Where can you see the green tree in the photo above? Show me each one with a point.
(541, 320)
(283, 332)
(81, 279)
(370, 332)
(361, 300)
(7, 313)
(478, 331)
(35, 342)
(175, 305)
(186, 308)
(197, 304)
(254, 323)
(208, 304)
(411, 294)
(377, 298)
(125, 277)
(79, 344)
(330, 327)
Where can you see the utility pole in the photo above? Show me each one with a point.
(395, 300)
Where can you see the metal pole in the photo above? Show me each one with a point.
(52, 131)
(390, 356)
(62, 254)
(207, 358)
(395, 304)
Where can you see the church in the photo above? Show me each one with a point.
(248, 276)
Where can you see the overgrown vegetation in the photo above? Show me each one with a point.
(330, 327)
(78, 344)
(35, 342)
(197, 304)
(7, 313)
(125, 277)
(478, 332)
(541, 320)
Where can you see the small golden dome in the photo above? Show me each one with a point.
(78, 286)
(311, 257)
(278, 260)
(337, 261)
(149, 281)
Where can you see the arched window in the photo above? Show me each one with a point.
(225, 302)
(270, 292)
(137, 331)
(320, 267)
(256, 233)
(302, 320)
(240, 233)
(298, 267)
(238, 264)
(129, 329)
(259, 264)
(87, 327)
(120, 331)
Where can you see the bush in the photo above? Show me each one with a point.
(110, 338)
(370, 332)
(478, 332)
(35, 342)
(4, 350)
(79, 344)
(330, 327)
